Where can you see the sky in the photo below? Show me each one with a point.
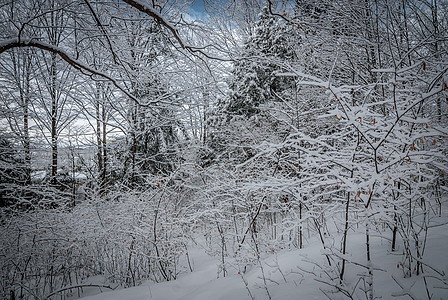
(198, 6)
(197, 9)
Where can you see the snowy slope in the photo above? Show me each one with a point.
(296, 274)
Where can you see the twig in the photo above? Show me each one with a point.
(79, 286)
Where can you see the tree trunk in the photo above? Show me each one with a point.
(99, 142)
(54, 115)
(103, 175)
(26, 134)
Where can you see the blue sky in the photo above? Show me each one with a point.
(197, 8)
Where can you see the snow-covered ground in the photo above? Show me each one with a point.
(302, 274)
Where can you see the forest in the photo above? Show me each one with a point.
(223, 149)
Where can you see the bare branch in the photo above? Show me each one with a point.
(100, 25)
(153, 13)
(158, 17)
(34, 42)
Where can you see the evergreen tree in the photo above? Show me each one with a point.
(246, 116)
(254, 79)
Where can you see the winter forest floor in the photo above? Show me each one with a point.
(300, 273)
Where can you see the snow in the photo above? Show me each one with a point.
(295, 273)
(38, 175)
(80, 176)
